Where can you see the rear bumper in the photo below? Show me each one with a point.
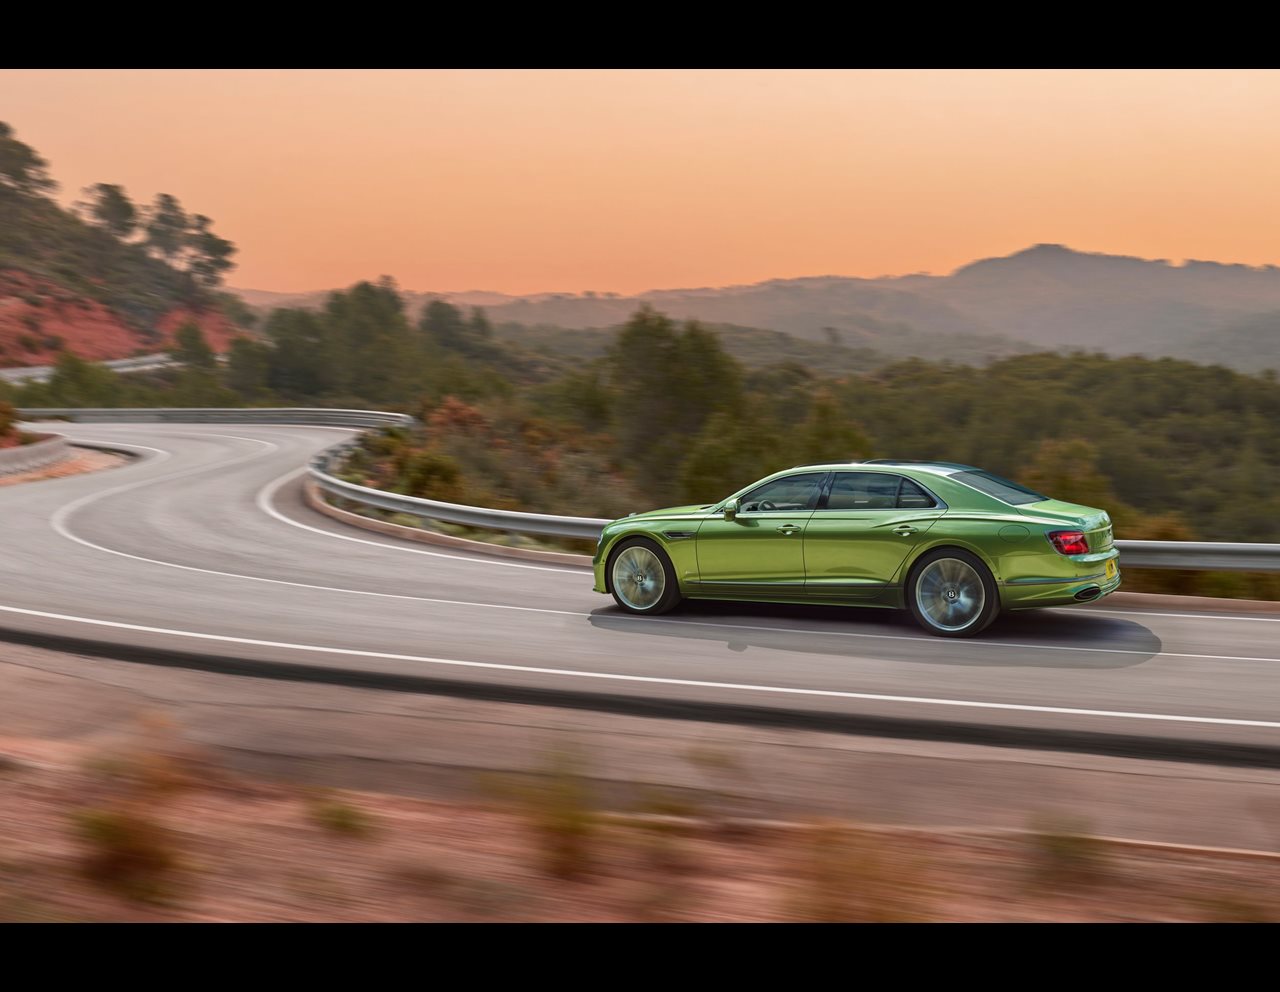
(1064, 592)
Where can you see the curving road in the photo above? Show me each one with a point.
(202, 546)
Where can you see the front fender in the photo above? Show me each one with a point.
(681, 550)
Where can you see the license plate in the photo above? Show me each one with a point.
(1111, 569)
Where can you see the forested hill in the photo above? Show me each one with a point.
(1044, 297)
(109, 279)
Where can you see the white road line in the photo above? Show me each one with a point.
(1183, 616)
(653, 679)
(58, 522)
(268, 492)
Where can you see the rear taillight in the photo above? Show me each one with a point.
(1069, 542)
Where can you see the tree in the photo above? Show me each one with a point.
(110, 208)
(22, 170)
(369, 330)
(666, 384)
(646, 409)
(729, 453)
(827, 435)
(166, 229)
(1068, 470)
(248, 367)
(479, 325)
(305, 362)
(209, 255)
(192, 349)
(443, 325)
(76, 382)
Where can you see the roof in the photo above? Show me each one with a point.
(936, 468)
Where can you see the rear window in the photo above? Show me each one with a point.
(1001, 489)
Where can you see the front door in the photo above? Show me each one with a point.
(760, 551)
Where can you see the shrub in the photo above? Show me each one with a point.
(1064, 854)
(339, 817)
(128, 851)
(559, 809)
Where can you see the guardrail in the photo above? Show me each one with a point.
(209, 415)
(1200, 556)
(546, 524)
(43, 373)
(1183, 555)
(29, 457)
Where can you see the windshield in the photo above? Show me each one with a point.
(1001, 489)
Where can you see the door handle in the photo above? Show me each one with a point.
(789, 529)
(902, 530)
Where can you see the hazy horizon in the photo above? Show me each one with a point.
(531, 181)
(1174, 263)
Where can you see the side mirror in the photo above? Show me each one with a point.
(731, 509)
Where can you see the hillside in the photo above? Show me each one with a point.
(757, 348)
(1048, 297)
(110, 281)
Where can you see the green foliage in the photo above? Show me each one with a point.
(1163, 437)
(174, 265)
(109, 206)
(192, 349)
(8, 417)
(339, 817)
(209, 256)
(248, 368)
(237, 311)
(128, 851)
(22, 170)
(828, 435)
(430, 474)
(166, 227)
(729, 453)
(666, 384)
(1063, 853)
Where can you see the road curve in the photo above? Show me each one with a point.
(202, 546)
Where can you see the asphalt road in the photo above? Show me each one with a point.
(203, 547)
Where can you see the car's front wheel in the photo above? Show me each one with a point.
(951, 593)
(642, 578)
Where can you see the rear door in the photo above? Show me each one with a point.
(862, 532)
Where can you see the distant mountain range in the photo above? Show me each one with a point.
(1048, 296)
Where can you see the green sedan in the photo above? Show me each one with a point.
(952, 544)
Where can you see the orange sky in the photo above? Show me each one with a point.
(629, 180)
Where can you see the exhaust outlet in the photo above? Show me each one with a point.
(1084, 595)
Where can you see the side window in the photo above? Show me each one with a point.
(876, 491)
(863, 491)
(912, 497)
(788, 494)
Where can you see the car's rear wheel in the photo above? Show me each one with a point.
(951, 593)
(642, 578)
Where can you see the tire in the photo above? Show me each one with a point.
(951, 593)
(642, 578)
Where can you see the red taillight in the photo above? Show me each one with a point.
(1069, 542)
